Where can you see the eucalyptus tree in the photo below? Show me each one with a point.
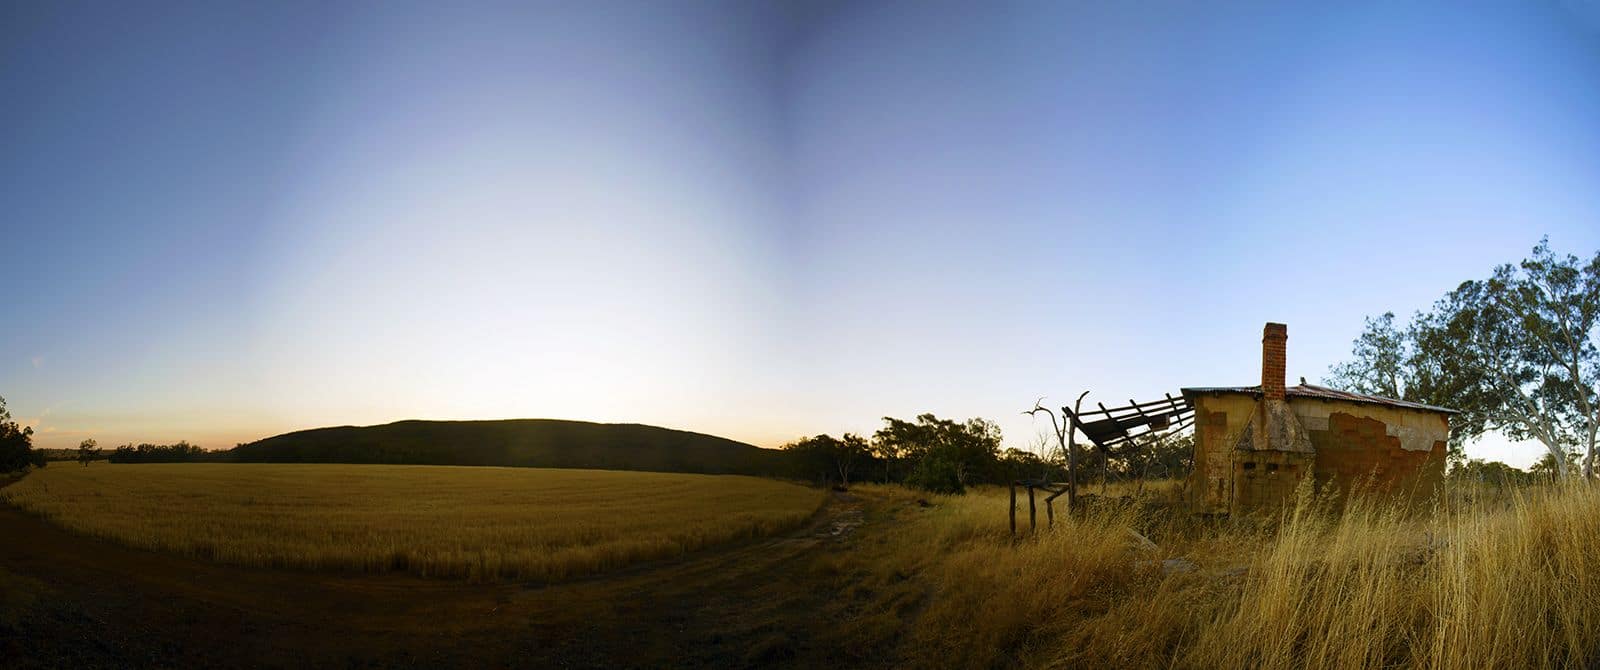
(943, 455)
(1515, 353)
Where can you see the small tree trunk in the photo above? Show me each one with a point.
(1589, 454)
(1560, 458)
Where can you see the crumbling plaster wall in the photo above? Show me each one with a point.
(1219, 420)
(1398, 449)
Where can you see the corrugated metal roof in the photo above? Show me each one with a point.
(1324, 393)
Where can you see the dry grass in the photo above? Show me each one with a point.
(1507, 581)
(1484, 579)
(476, 522)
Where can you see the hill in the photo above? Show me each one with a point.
(542, 443)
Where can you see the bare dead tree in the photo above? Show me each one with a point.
(1056, 426)
(1066, 438)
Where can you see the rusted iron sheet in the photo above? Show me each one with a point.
(1324, 393)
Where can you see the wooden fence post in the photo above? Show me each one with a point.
(1013, 508)
(1033, 512)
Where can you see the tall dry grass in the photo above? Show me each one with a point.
(475, 522)
(1478, 581)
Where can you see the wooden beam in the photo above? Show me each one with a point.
(1105, 432)
(1118, 424)
(1176, 403)
(1072, 453)
(1168, 401)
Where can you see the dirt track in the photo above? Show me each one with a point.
(105, 605)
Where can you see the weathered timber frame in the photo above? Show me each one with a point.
(1108, 428)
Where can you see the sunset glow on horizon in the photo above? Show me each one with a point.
(753, 220)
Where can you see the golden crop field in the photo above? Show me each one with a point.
(474, 522)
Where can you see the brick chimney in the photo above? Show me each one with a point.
(1273, 346)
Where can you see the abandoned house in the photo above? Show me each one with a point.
(1254, 444)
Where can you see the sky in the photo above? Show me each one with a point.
(759, 220)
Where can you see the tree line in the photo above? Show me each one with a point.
(181, 452)
(1499, 475)
(17, 452)
(939, 455)
(947, 456)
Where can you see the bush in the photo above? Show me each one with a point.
(936, 474)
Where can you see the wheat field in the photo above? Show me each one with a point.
(480, 523)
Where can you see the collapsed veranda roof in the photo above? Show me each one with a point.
(1132, 421)
(1323, 393)
(1109, 427)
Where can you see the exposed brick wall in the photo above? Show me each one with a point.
(1355, 448)
(1274, 359)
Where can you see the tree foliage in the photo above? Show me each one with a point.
(1164, 456)
(157, 453)
(1157, 457)
(88, 451)
(1515, 353)
(16, 444)
(947, 456)
(934, 454)
(1380, 363)
(1042, 460)
(1548, 470)
(1495, 473)
(828, 458)
(944, 456)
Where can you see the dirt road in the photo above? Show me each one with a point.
(80, 602)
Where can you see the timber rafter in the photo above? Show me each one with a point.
(1123, 427)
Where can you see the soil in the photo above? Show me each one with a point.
(82, 602)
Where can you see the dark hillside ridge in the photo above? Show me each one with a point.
(539, 443)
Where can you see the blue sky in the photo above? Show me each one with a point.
(759, 220)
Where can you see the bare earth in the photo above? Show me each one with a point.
(88, 603)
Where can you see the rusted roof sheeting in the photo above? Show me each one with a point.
(1324, 393)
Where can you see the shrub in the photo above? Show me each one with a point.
(937, 474)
